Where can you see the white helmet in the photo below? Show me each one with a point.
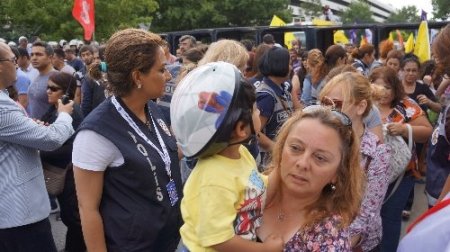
(73, 42)
(62, 42)
(203, 109)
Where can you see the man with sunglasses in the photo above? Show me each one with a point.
(24, 203)
(41, 59)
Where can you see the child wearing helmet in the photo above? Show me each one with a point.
(213, 112)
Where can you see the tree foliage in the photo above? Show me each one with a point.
(191, 14)
(312, 8)
(407, 14)
(52, 19)
(441, 9)
(357, 12)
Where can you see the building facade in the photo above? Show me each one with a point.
(380, 11)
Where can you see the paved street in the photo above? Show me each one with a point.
(420, 205)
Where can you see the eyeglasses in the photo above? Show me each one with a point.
(53, 88)
(345, 120)
(13, 60)
(335, 104)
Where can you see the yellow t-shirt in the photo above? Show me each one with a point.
(222, 197)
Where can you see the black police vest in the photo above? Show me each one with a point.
(135, 206)
(283, 109)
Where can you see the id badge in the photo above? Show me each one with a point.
(172, 190)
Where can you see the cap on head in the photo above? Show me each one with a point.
(22, 38)
(202, 110)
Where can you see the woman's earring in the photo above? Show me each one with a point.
(139, 85)
(333, 187)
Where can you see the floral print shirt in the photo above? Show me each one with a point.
(375, 162)
(406, 111)
(323, 236)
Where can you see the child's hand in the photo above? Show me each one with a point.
(273, 243)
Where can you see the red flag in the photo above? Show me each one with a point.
(83, 12)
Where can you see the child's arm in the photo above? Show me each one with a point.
(272, 243)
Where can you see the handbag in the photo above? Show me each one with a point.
(54, 178)
(401, 152)
(401, 156)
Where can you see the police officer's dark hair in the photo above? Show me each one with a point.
(275, 62)
(48, 48)
(23, 52)
(60, 53)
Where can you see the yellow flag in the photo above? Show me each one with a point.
(322, 22)
(422, 47)
(288, 36)
(409, 46)
(391, 37)
(276, 21)
(340, 38)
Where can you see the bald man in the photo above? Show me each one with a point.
(24, 203)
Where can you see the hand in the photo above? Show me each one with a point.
(40, 122)
(396, 129)
(427, 80)
(273, 243)
(68, 108)
(423, 100)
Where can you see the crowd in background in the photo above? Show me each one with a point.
(310, 119)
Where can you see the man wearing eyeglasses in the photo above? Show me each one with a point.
(41, 59)
(24, 202)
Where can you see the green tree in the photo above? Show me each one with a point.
(407, 14)
(357, 12)
(312, 8)
(191, 14)
(441, 9)
(52, 19)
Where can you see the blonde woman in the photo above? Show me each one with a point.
(351, 93)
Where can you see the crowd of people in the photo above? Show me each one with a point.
(230, 146)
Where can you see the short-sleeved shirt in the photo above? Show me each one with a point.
(22, 82)
(37, 95)
(422, 89)
(223, 197)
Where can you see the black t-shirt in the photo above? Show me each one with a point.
(425, 90)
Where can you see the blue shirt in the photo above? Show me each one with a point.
(22, 82)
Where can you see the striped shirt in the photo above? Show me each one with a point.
(23, 196)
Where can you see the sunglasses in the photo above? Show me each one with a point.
(13, 60)
(53, 88)
(335, 104)
(343, 118)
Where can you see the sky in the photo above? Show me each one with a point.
(420, 4)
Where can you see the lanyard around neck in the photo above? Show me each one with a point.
(164, 154)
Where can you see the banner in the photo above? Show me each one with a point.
(399, 37)
(409, 46)
(83, 12)
(340, 38)
(422, 47)
(288, 36)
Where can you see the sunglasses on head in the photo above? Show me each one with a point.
(345, 120)
(53, 88)
(335, 104)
